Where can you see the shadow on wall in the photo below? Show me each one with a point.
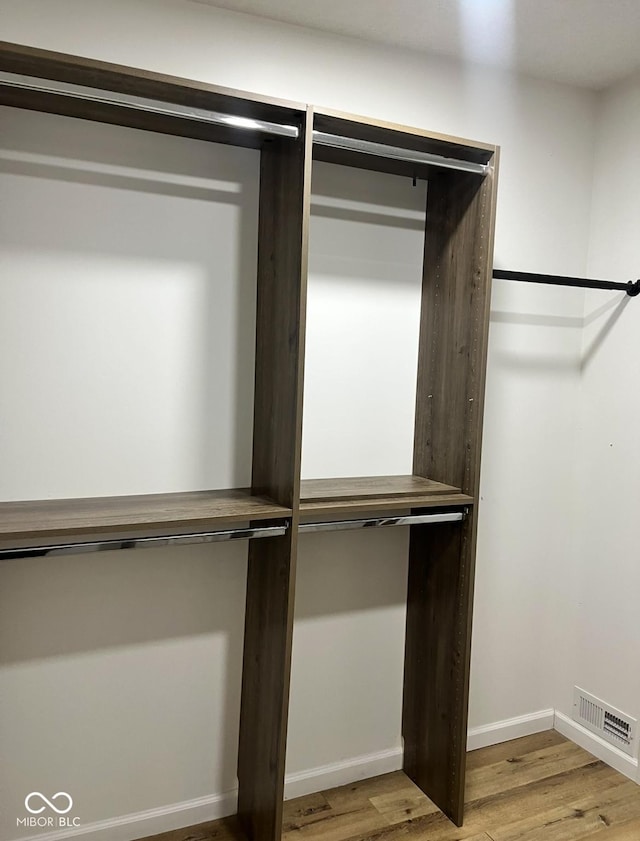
(363, 315)
(93, 615)
(155, 235)
(97, 621)
(597, 340)
(559, 357)
(81, 603)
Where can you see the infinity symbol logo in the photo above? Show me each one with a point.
(48, 802)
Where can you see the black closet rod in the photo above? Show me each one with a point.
(632, 288)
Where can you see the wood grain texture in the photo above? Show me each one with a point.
(97, 515)
(406, 137)
(449, 405)
(114, 78)
(265, 685)
(378, 505)
(434, 650)
(374, 163)
(593, 814)
(285, 184)
(61, 67)
(454, 325)
(538, 788)
(285, 190)
(370, 487)
(68, 106)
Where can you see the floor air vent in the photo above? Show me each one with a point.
(608, 722)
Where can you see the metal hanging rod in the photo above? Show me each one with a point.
(253, 533)
(202, 115)
(378, 522)
(381, 150)
(143, 542)
(139, 103)
(632, 288)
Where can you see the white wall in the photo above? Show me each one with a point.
(607, 587)
(167, 668)
(117, 304)
(361, 361)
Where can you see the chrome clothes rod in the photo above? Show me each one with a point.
(143, 542)
(381, 150)
(139, 103)
(203, 115)
(378, 522)
(84, 547)
(632, 288)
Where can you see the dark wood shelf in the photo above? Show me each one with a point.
(159, 87)
(189, 511)
(376, 493)
(407, 137)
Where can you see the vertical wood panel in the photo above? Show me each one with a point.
(451, 377)
(265, 685)
(454, 323)
(282, 268)
(282, 264)
(436, 684)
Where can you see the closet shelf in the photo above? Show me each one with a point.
(457, 265)
(113, 515)
(376, 493)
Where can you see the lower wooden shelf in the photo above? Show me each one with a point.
(321, 497)
(113, 516)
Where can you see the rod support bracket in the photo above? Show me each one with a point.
(633, 288)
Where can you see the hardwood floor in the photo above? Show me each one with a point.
(538, 788)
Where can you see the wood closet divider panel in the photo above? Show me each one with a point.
(448, 434)
(458, 257)
(285, 189)
(451, 371)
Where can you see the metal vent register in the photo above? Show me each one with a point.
(610, 724)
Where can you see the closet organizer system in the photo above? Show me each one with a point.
(437, 502)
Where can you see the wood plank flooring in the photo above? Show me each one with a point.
(538, 788)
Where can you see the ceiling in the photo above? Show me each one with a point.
(591, 43)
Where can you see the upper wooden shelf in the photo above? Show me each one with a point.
(376, 493)
(105, 77)
(158, 513)
(407, 137)
(355, 133)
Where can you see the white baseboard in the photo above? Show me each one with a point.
(176, 815)
(510, 728)
(149, 822)
(591, 742)
(374, 764)
(189, 812)
(341, 773)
